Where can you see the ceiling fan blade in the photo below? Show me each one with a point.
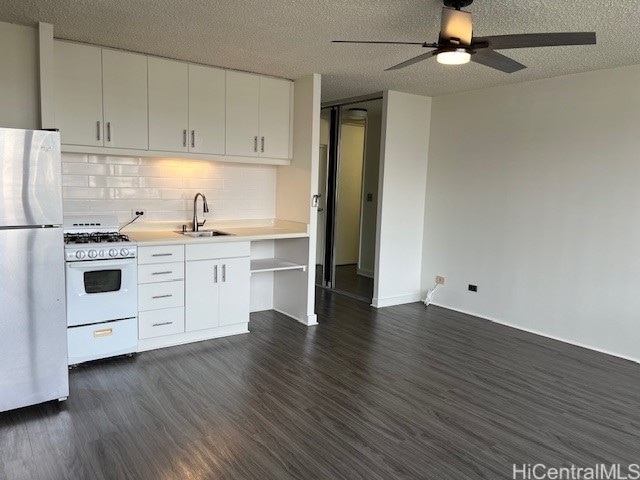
(496, 60)
(386, 43)
(530, 40)
(411, 61)
(455, 25)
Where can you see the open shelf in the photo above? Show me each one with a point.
(274, 265)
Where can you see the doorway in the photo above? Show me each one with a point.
(348, 185)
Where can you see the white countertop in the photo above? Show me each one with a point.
(164, 233)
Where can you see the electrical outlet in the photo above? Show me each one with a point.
(138, 212)
(439, 280)
(473, 288)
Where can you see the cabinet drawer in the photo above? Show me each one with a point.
(162, 272)
(157, 323)
(206, 251)
(160, 254)
(153, 296)
(102, 340)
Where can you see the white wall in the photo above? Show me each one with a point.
(166, 187)
(404, 154)
(294, 290)
(533, 194)
(19, 77)
(370, 180)
(347, 232)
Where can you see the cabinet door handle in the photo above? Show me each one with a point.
(162, 273)
(98, 129)
(184, 138)
(193, 139)
(262, 144)
(162, 296)
(215, 274)
(255, 143)
(224, 272)
(108, 131)
(103, 333)
(161, 324)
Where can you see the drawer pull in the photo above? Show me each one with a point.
(162, 254)
(162, 273)
(103, 333)
(161, 324)
(162, 296)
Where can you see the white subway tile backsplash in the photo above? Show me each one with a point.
(76, 168)
(165, 187)
(208, 183)
(84, 193)
(75, 181)
(112, 181)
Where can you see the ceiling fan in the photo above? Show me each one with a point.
(457, 45)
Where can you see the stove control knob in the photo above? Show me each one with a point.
(101, 253)
(124, 252)
(113, 252)
(93, 254)
(80, 254)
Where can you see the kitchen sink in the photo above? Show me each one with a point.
(205, 233)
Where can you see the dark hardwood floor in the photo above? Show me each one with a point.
(403, 392)
(349, 282)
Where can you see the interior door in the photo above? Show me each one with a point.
(207, 114)
(124, 77)
(168, 105)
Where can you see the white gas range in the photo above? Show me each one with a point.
(101, 279)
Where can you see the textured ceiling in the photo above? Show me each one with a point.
(291, 38)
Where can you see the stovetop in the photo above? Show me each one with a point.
(94, 237)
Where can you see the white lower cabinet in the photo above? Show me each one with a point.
(192, 292)
(160, 291)
(156, 323)
(100, 340)
(217, 285)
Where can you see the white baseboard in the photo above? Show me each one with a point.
(365, 272)
(398, 300)
(190, 337)
(539, 333)
(308, 320)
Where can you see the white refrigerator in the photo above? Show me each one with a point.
(33, 328)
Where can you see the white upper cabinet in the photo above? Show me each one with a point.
(258, 116)
(168, 105)
(186, 107)
(275, 121)
(78, 93)
(108, 98)
(243, 103)
(206, 110)
(124, 90)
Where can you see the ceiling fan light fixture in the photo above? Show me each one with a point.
(459, 56)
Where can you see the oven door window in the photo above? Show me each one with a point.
(102, 281)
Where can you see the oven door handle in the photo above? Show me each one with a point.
(105, 263)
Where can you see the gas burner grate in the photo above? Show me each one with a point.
(95, 237)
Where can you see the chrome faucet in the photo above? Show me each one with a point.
(205, 209)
